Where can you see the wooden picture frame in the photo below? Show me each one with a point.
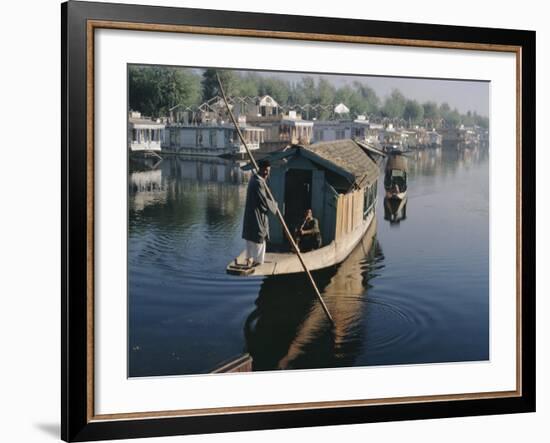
(79, 22)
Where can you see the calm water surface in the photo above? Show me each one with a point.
(418, 293)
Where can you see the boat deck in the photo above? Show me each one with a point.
(284, 262)
(277, 263)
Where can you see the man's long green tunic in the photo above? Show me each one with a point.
(256, 221)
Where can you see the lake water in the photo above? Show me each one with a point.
(418, 293)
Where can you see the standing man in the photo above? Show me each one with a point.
(256, 222)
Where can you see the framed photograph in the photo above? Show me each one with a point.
(276, 221)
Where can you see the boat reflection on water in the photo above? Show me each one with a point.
(289, 329)
(395, 210)
(145, 184)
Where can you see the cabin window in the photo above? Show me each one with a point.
(370, 198)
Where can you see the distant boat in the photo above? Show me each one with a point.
(395, 177)
(338, 181)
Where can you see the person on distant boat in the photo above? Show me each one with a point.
(256, 222)
(308, 235)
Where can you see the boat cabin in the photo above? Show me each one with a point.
(213, 139)
(337, 180)
(144, 134)
(282, 130)
(395, 176)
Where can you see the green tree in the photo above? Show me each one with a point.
(230, 81)
(153, 90)
(467, 119)
(370, 101)
(351, 98)
(325, 92)
(444, 110)
(325, 96)
(481, 121)
(453, 118)
(431, 111)
(248, 84)
(413, 112)
(276, 88)
(394, 105)
(305, 91)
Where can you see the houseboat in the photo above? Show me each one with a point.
(459, 137)
(395, 177)
(280, 129)
(144, 134)
(331, 130)
(392, 139)
(283, 130)
(338, 182)
(216, 138)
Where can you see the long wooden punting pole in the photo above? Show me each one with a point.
(293, 244)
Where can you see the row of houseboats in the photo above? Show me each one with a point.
(208, 131)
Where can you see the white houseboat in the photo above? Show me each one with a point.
(144, 134)
(331, 130)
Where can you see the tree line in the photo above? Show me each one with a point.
(153, 90)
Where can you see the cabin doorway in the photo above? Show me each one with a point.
(297, 196)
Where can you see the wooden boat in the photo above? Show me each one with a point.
(338, 181)
(395, 177)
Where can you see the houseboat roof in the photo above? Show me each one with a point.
(360, 169)
(346, 158)
(267, 100)
(340, 108)
(145, 123)
(296, 122)
(375, 153)
(216, 125)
